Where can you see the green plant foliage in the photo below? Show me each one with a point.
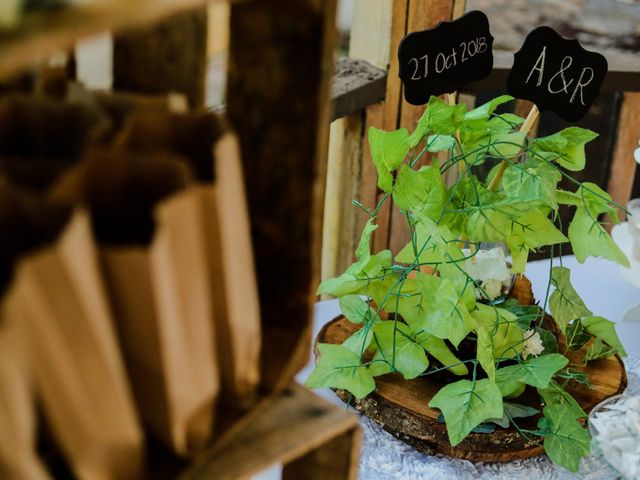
(511, 411)
(420, 312)
(554, 394)
(438, 118)
(499, 336)
(577, 336)
(534, 180)
(388, 150)
(566, 147)
(397, 351)
(339, 367)
(605, 330)
(536, 372)
(588, 236)
(421, 191)
(565, 440)
(356, 309)
(466, 404)
(565, 303)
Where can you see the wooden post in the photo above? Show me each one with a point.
(167, 57)
(280, 62)
(421, 15)
(623, 165)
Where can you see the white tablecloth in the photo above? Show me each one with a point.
(604, 292)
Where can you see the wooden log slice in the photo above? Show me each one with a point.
(401, 407)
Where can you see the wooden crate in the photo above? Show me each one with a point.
(281, 57)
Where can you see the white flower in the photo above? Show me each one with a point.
(487, 265)
(532, 344)
(493, 289)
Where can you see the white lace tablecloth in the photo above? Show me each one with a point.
(383, 457)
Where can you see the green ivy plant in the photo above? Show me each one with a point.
(412, 322)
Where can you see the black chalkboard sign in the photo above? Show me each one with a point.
(445, 58)
(557, 74)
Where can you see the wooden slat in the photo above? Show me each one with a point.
(356, 84)
(296, 424)
(218, 34)
(337, 459)
(343, 173)
(522, 109)
(623, 165)
(372, 16)
(422, 14)
(281, 55)
(41, 35)
(178, 62)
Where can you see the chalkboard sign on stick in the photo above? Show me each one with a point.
(445, 58)
(557, 74)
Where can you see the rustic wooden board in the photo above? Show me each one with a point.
(312, 438)
(356, 84)
(623, 165)
(280, 62)
(178, 63)
(41, 35)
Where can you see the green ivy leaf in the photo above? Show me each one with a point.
(549, 341)
(599, 350)
(466, 404)
(433, 244)
(530, 232)
(509, 388)
(499, 336)
(359, 342)
(439, 143)
(590, 196)
(511, 411)
(447, 316)
(577, 336)
(439, 117)
(395, 338)
(605, 330)
(388, 150)
(356, 309)
(485, 352)
(479, 115)
(534, 181)
(339, 367)
(537, 371)
(361, 277)
(437, 348)
(554, 394)
(507, 145)
(565, 147)
(504, 123)
(525, 313)
(566, 440)
(420, 191)
(564, 302)
(589, 238)
(412, 299)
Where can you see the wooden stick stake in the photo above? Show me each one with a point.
(526, 127)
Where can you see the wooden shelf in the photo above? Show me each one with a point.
(291, 426)
(41, 34)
